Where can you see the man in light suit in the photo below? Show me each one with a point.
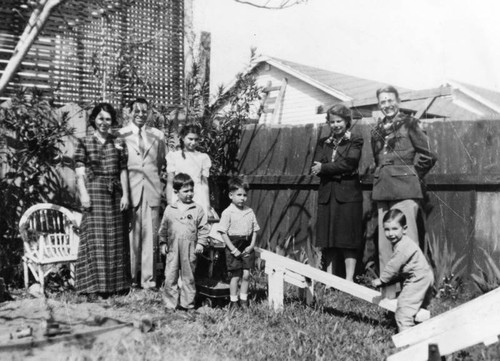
(146, 158)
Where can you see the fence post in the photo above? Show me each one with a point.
(434, 354)
(309, 291)
(275, 282)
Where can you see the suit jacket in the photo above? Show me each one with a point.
(340, 177)
(402, 156)
(144, 169)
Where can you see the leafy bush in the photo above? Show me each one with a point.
(222, 121)
(489, 275)
(448, 269)
(33, 134)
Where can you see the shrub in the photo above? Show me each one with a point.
(33, 134)
(222, 121)
(489, 275)
(448, 269)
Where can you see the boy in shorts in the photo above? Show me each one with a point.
(238, 227)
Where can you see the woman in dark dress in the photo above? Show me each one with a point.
(101, 169)
(340, 200)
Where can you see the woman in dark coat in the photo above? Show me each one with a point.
(340, 200)
(101, 169)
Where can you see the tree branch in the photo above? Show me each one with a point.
(271, 4)
(35, 24)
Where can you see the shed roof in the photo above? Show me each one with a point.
(442, 106)
(360, 93)
(488, 94)
(352, 87)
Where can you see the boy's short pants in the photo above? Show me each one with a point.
(236, 265)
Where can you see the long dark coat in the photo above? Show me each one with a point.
(339, 222)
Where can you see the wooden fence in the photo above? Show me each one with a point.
(463, 205)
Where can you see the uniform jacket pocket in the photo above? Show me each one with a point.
(396, 182)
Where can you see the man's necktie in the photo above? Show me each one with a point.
(141, 142)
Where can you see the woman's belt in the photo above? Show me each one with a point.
(113, 182)
(385, 162)
(347, 176)
(239, 238)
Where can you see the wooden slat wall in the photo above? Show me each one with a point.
(301, 99)
(464, 186)
(62, 55)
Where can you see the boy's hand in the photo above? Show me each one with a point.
(198, 249)
(247, 250)
(376, 282)
(163, 249)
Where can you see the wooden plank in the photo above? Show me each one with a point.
(259, 202)
(486, 230)
(484, 329)
(424, 107)
(300, 158)
(279, 222)
(315, 274)
(467, 313)
(270, 88)
(278, 151)
(295, 279)
(279, 102)
(270, 101)
(450, 219)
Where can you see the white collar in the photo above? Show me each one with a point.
(98, 137)
(183, 206)
(235, 209)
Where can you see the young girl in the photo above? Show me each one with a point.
(407, 262)
(192, 162)
(238, 227)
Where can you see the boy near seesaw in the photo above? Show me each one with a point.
(407, 262)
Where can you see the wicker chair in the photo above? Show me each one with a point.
(49, 234)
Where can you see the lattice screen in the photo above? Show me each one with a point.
(88, 49)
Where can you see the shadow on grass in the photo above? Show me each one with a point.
(259, 295)
(354, 316)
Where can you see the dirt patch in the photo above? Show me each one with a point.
(79, 330)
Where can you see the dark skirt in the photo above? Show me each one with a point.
(339, 224)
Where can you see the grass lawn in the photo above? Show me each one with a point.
(337, 327)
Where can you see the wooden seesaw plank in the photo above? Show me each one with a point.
(484, 329)
(471, 311)
(277, 266)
